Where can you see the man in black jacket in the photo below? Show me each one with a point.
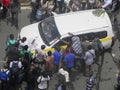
(15, 9)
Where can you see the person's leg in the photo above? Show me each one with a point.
(55, 68)
(12, 19)
(87, 70)
(4, 12)
(55, 7)
(60, 4)
(16, 21)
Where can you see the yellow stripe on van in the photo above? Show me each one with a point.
(52, 49)
(105, 39)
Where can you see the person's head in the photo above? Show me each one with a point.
(16, 58)
(25, 47)
(26, 56)
(43, 47)
(11, 36)
(57, 48)
(23, 39)
(95, 35)
(89, 47)
(44, 74)
(67, 50)
(71, 34)
(49, 53)
(75, 39)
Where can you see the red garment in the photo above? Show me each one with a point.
(6, 3)
(69, 50)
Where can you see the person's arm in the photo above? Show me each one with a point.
(20, 64)
(67, 43)
(10, 65)
(71, 34)
(39, 79)
(19, 7)
(107, 4)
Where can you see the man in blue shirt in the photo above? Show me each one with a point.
(57, 57)
(69, 59)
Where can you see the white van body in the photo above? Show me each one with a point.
(78, 23)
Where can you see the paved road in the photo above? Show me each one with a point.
(106, 73)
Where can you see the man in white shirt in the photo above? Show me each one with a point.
(43, 81)
(89, 59)
(22, 43)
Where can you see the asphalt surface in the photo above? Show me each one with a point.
(106, 72)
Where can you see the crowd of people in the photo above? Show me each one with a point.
(9, 9)
(42, 9)
(36, 69)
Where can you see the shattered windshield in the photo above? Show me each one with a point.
(48, 30)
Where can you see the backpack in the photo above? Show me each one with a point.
(3, 75)
(15, 67)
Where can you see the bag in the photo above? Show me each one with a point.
(94, 58)
(3, 75)
(15, 67)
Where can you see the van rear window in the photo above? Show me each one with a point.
(89, 36)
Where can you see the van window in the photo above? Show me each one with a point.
(48, 30)
(60, 43)
(102, 34)
(89, 36)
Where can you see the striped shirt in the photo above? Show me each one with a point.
(77, 48)
(90, 83)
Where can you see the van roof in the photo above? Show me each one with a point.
(79, 21)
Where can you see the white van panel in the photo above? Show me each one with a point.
(80, 21)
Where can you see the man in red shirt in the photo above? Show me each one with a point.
(6, 4)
